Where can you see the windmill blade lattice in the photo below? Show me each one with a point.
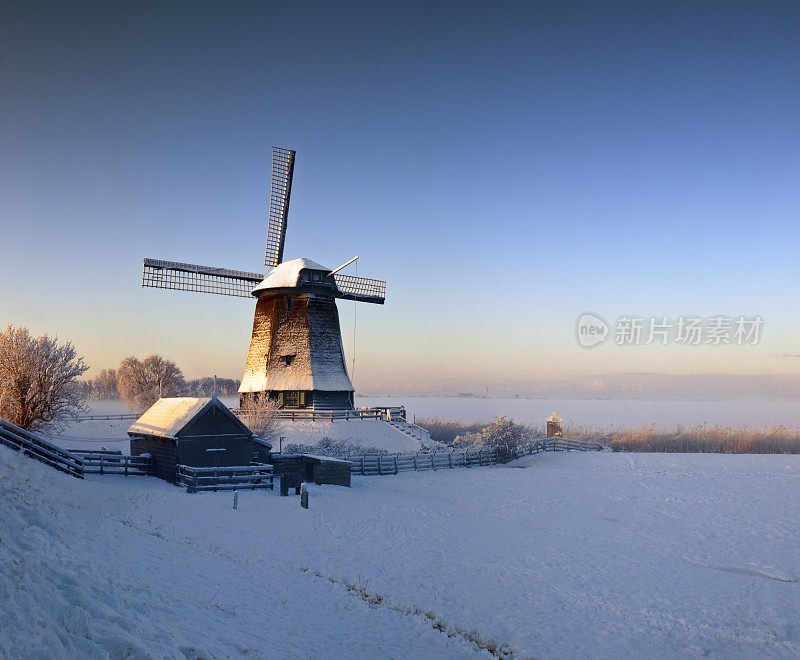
(362, 289)
(179, 276)
(282, 171)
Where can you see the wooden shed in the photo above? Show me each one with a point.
(200, 432)
(313, 468)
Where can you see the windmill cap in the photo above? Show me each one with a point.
(287, 275)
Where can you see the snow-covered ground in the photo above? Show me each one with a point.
(557, 555)
(111, 434)
(361, 432)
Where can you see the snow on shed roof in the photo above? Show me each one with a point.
(167, 417)
(287, 274)
(327, 459)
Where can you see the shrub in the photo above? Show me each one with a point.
(502, 433)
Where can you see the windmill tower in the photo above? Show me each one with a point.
(296, 355)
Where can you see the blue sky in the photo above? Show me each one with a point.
(506, 167)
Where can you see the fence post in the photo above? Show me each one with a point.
(450, 459)
(395, 463)
(101, 464)
(125, 461)
(433, 461)
(415, 461)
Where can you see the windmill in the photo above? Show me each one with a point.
(296, 354)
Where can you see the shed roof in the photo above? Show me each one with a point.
(287, 275)
(166, 418)
(326, 459)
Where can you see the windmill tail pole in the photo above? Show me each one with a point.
(343, 266)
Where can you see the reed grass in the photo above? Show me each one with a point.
(775, 439)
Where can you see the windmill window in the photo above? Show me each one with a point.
(287, 360)
(288, 303)
(316, 276)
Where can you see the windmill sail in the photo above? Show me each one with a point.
(282, 170)
(361, 289)
(202, 279)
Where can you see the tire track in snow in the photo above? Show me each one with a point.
(743, 570)
(375, 599)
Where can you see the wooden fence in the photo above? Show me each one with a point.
(304, 414)
(37, 447)
(113, 462)
(241, 477)
(382, 464)
(86, 418)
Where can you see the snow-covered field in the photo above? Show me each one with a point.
(603, 414)
(557, 555)
(594, 413)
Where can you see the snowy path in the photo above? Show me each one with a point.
(599, 555)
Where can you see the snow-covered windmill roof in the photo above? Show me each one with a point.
(287, 275)
(167, 417)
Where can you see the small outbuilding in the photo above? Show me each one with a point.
(313, 468)
(554, 428)
(200, 432)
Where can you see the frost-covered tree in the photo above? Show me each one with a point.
(260, 415)
(140, 382)
(104, 385)
(502, 433)
(39, 386)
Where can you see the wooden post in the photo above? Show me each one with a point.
(433, 461)
(101, 464)
(303, 495)
(235, 499)
(125, 460)
(395, 463)
(450, 458)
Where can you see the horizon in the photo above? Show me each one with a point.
(507, 169)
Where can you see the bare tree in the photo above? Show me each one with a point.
(39, 386)
(104, 385)
(260, 415)
(141, 382)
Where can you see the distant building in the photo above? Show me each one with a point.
(200, 432)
